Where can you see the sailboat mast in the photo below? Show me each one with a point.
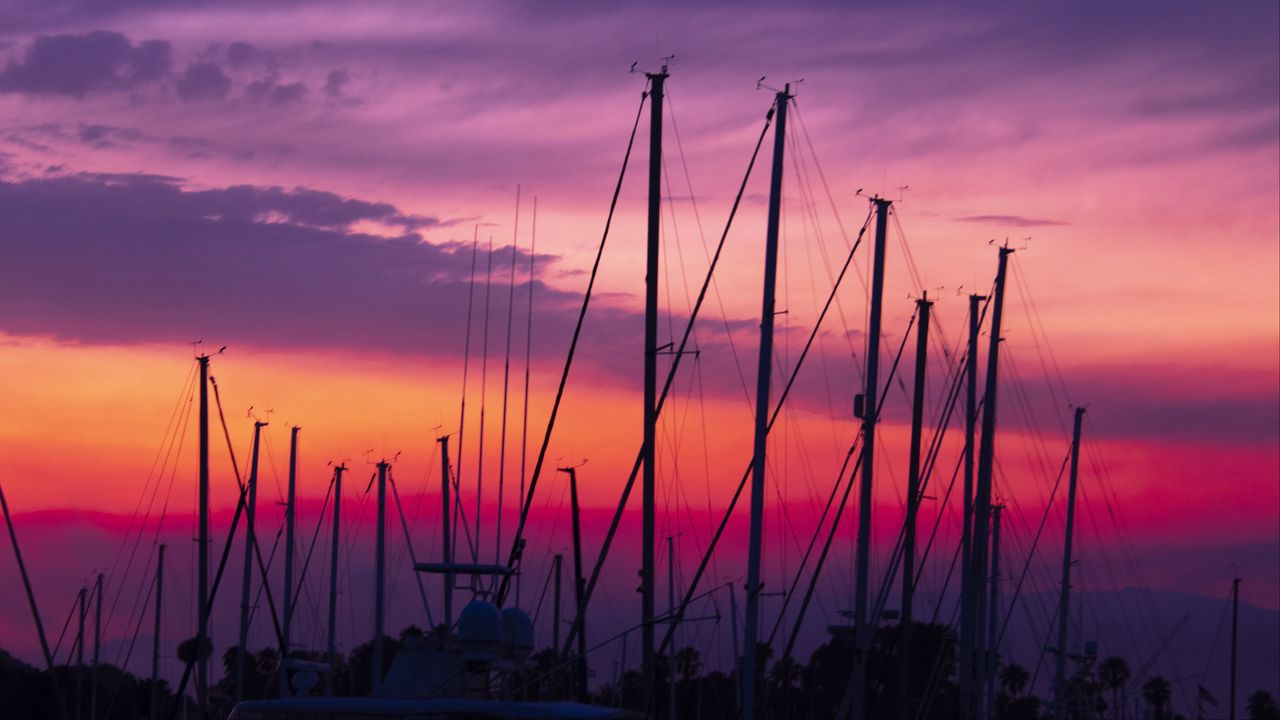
(80, 657)
(528, 356)
(557, 561)
(202, 552)
(1235, 628)
(506, 381)
(155, 638)
(649, 483)
(671, 605)
(380, 568)
(447, 544)
(978, 565)
(579, 586)
(331, 646)
(97, 647)
(862, 561)
(764, 373)
(913, 506)
(993, 614)
(249, 540)
(1060, 675)
(290, 511)
(967, 621)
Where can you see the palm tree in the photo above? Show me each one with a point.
(1014, 679)
(1262, 706)
(1114, 674)
(1157, 692)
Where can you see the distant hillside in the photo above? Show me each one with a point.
(1134, 622)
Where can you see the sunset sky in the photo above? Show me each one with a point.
(303, 182)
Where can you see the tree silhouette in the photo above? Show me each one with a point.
(1262, 706)
(1114, 674)
(1157, 692)
(1014, 679)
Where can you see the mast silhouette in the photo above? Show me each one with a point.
(1235, 628)
(289, 519)
(80, 657)
(35, 609)
(967, 621)
(557, 561)
(528, 355)
(154, 712)
(202, 552)
(447, 543)
(649, 482)
(331, 646)
(1064, 605)
(764, 373)
(913, 506)
(97, 647)
(862, 631)
(250, 539)
(579, 587)
(993, 635)
(978, 565)
(380, 566)
(506, 381)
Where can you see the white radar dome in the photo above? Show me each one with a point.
(480, 630)
(517, 633)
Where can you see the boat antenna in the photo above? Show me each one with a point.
(506, 379)
(484, 382)
(528, 353)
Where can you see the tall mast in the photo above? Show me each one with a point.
(506, 380)
(579, 586)
(862, 631)
(967, 621)
(1060, 675)
(982, 494)
(249, 540)
(1235, 627)
(380, 570)
(913, 507)
(291, 509)
(202, 552)
(446, 545)
(484, 396)
(764, 374)
(671, 605)
(737, 656)
(331, 646)
(657, 82)
(557, 561)
(528, 355)
(97, 647)
(80, 658)
(35, 609)
(155, 638)
(993, 633)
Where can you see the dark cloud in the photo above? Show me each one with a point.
(335, 82)
(1010, 220)
(203, 81)
(137, 258)
(105, 136)
(270, 90)
(240, 54)
(75, 65)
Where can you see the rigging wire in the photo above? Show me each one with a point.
(506, 380)
(514, 557)
(484, 397)
(528, 354)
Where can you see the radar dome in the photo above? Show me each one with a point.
(480, 630)
(517, 633)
